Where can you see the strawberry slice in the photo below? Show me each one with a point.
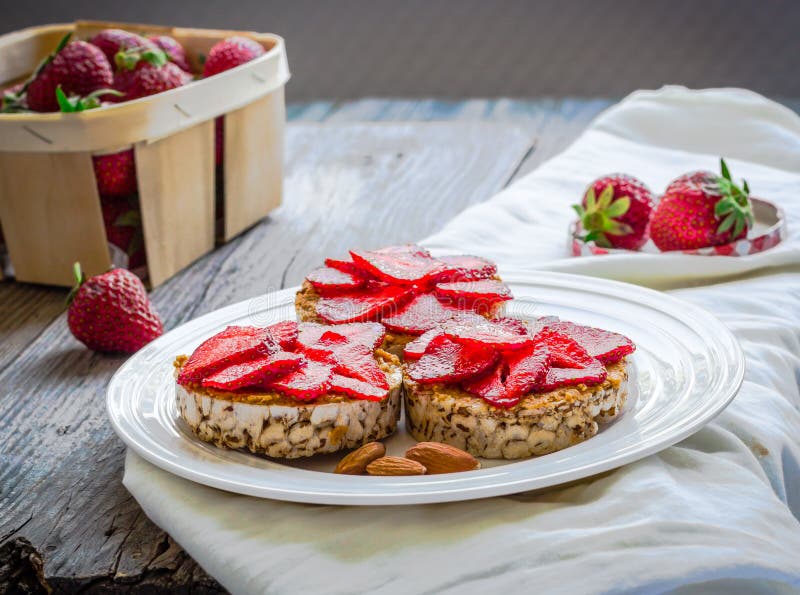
(254, 372)
(564, 351)
(347, 358)
(607, 346)
(285, 333)
(233, 345)
(369, 334)
(480, 296)
(481, 331)
(422, 313)
(329, 281)
(346, 266)
(594, 373)
(357, 388)
(355, 307)
(491, 387)
(412, 267)
(463, 267)
(514, 325)
(414, 349)
(527, 369)
(447, 361)
(305, 383)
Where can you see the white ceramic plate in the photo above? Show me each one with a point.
(686, 369)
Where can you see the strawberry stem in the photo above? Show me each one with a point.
(80, 279)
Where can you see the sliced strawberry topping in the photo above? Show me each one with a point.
(233, 345)
(305, 383)
(564, 351)
(447, 361)
(285, 333)
(327, 280)
(355, 307)
(422, 313)
(474, 294)
(607, 346)
(414, 349)
(481, 331)
(346, 266)
(466, 268)
(412, 267)
(594, 373)
(255, 371)
(491, 387)
(527, 369)
(514, 325)
(369, 334)
(357, 388)
(347, 358)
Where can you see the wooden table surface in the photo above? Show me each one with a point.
(366, 174)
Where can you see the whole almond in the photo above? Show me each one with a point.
(442, 458)
(356, 462)
(395, 466)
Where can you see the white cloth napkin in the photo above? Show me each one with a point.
(716, 513)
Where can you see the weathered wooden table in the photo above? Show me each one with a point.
(366, 173)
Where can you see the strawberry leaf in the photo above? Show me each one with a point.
(725, 171)
(726, 224)
(606, 197)
(619, 207)
(591, 201)
(739, 227)
(579, 210)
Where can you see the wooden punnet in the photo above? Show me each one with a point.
(49, 206)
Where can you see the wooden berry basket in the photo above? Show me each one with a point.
(49, 204)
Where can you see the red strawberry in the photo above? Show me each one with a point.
(305, 383)
(229, 53)
(702, 209)
(416, 348)
(520, 372)
(115, 173)
(369, 334)
(346, 266)
(479, 295)
(466, 268)
(285, 334)
(615, 212)
(112, 312)
(367, 305)
(422, 313)
(143, 73)
(79, 68)
(357, 388)
(595, 373)
(111, 41)
(175, 51)
(328, 281)
(447, 361)
(480, 331)
(347, 358)
(491, 387)
(254, 372)
(123, 225)
(405, 268)
(607, 346)
(235, 344)
(564, 351)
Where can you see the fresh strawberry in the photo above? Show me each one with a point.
(254, 372)
(466, 268)
(112, 41)
(369, 334)
(519, 373)
(366, 305)
(357, 388)
(422, 313)
(235, 344)
(404, 268)
(594, 373)
(447, 361)
(146, 72)
(285, 334)
(564, 351)
(175, 51)
(230, 53)
(491, 387)
(305, 383)
(112, 312)
(416, 348)
(702, 209)
(347, 358)
(123, 225)
(615, 212)
(79, 68)
(115, 173)
(481, 295)
(480, 331)
(346, 266)
(607, 346)
(329, 281)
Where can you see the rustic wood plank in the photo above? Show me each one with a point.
(56, 441)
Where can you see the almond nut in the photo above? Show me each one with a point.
(356, 462)
(442, 458)
(395, 466)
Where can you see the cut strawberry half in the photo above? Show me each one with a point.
(330, 281)
(607, 346)
(474, 294)
(594, 373)
(447, 361)
(347, 358)
(285, 333)
(357, 388)
(422, 313)
(234, 345)
(305, 383)
(414, 349)
(361, 306)
(480, 331)
(404, 268)
(463, 267)
(346, 266)
(369, 334)
(254, 372)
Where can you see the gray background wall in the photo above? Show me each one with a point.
(480, 48)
